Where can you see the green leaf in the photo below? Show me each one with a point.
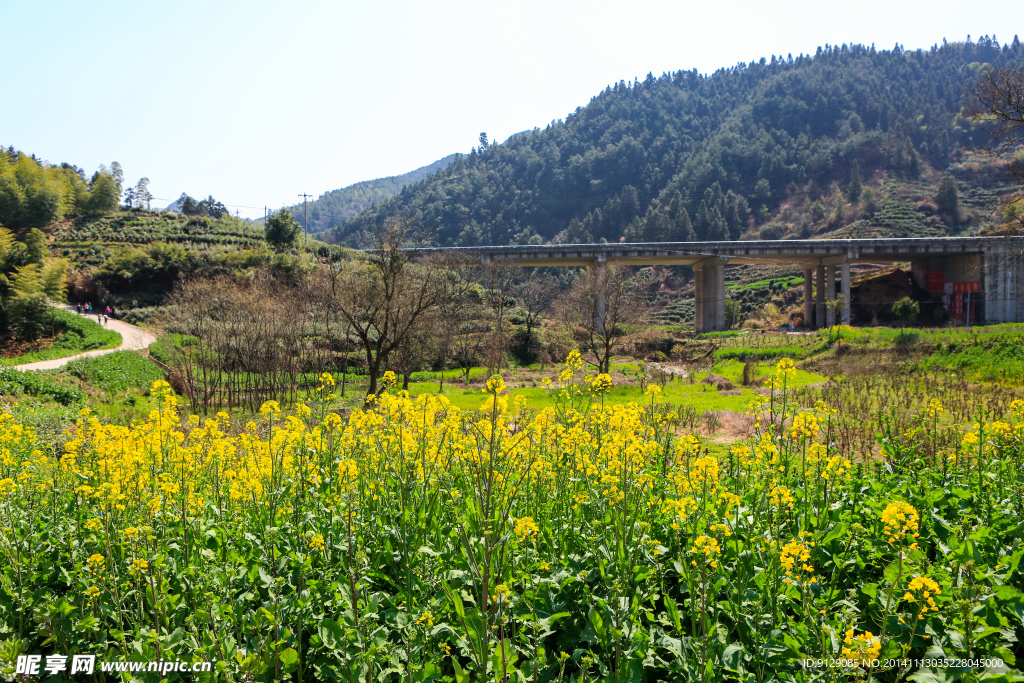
(732, 658)
(456, 601)
(289, 659)
(332, 634)
(673, 612)
(597, 622)
(266, 580)
(1006, 593)
(461, 676)
(503, 659)
(430, 672)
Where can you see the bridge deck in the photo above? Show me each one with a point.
(810, 252)
(990, 266)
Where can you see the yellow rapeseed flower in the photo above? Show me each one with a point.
(900, 520)
(601, 384)
(861, 649)
(96, 562)
(525, 528)
(495, 385)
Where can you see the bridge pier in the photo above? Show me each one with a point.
(819, 298)
(709, 294)
(844, 289)
(809, 298)
(599, 309)
(1003, 282)
(830, 294)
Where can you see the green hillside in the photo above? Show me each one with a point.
(88, 241)
(335, 207)
(850, 139)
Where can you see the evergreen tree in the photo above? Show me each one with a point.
(281, 230)
(702, 222)
(717, 229)
(187, 205)
(855, 187)
(682, 229)
(947, 199)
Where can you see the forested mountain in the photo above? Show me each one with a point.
(334, 208)
(793, 145)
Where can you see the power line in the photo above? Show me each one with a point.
(234, 206)
(305, 217)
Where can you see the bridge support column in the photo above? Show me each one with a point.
(1002, 283)
(809, 298)
(709, 295)
(698, 299)
(819, 297)
(844, 285)
(830, 294)
(599, 273)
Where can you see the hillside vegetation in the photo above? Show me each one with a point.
(34, 193)
(335, 207)
(850, 139)
(88, 241)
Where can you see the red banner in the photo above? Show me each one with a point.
(964, 287)
(935, 282)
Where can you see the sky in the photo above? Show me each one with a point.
(258, 102)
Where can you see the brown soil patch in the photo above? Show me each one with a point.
(734, 425)
(11, 349)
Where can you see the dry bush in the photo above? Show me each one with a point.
(250, 340)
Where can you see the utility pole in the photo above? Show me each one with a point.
(305, 218)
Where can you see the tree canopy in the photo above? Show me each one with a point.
(281, 229)
(34, 193)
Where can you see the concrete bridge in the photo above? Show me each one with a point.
(989, 269)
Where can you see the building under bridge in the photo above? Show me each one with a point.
(979, 278)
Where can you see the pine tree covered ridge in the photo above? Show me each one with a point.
(711, 157)
(333, 208)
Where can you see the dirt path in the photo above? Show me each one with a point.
(132, 339)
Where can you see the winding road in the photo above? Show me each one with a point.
(132, 339)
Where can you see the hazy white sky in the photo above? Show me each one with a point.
(255, 102)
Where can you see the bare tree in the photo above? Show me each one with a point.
(600, 308)
(997, 100)
(248, 339)
(499, 280)
(385, 297)
(323, 288)
(535, 294)
(455, 313)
